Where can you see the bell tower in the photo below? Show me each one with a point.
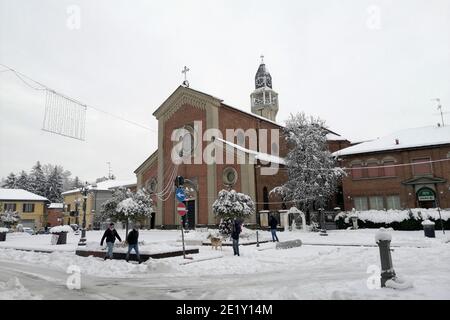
(264, 100)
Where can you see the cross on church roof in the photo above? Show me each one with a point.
(185, 71)
(262, 59)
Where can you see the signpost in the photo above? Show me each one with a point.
(180, 195)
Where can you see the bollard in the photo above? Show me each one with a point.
(257, 239)
(383, 240)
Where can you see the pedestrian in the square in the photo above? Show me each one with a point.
(110, 235)
(133, 239)
(235, 231)
(273, 223)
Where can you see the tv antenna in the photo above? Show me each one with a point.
(439, 107)
(109, 170)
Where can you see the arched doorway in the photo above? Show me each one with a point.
(426, 198)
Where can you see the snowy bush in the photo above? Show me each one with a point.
(230, 205)
(10, 218)
(3, 230)
(397, 219)
(59, 229)
(126, 205)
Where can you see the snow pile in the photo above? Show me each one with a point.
(382, 235)
(59, 229)
(14, 290)
(159, 266)
(2, 230)
(428, 223)
(381, 216)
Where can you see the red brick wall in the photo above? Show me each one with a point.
(53, 215)
(384, 186)
(184, 115)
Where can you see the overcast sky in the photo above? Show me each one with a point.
(367, 67)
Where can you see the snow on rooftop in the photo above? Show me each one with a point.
(407, 138)
(19, 194)
(334, 137)
(107, 185)
(55, 205)
(258, 155)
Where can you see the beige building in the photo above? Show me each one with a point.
(97, 195)
(29, 206)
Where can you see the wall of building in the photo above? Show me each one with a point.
(38, 217)
(390, 185)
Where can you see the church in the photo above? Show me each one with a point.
(255, 145)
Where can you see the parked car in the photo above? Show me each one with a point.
(28, 230)
(43, 231)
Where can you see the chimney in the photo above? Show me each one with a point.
(396, 141)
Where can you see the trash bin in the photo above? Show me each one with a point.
(428, 228)
(2, 236)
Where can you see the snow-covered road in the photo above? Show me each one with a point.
(326, 271)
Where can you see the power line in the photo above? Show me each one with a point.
(41, 86)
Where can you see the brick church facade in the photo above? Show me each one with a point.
(197, 113)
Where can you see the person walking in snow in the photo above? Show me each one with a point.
(110, 235)
(132, 240)
(273, 223)
(235, 231)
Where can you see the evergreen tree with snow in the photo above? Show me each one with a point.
(38, 180)
(54, 186)
(312, 172)
(230, 205)
(11, 181)
(23, 181)
(76, 183)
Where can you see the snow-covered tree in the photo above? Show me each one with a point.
(76, 183)
(54, 186)
(38, 180)
(126, 205)
(23, 181)
(312, 172)
(9, 218)
(11, 181)
(230, 205)
(49, 169)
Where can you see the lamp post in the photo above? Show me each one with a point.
(84, 192)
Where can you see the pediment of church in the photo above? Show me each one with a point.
(182, 96)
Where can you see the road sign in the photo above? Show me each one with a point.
(181, 209)
(179, 193)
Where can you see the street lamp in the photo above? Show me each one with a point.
(84, 190)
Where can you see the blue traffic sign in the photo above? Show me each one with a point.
(180, 195)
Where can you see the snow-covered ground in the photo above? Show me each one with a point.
(334, 267)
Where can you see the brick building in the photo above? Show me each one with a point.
(406, 169)
(199, 114)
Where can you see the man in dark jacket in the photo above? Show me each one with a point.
(132, 240)
(273, 223)
(235, 231)
(110, 235)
